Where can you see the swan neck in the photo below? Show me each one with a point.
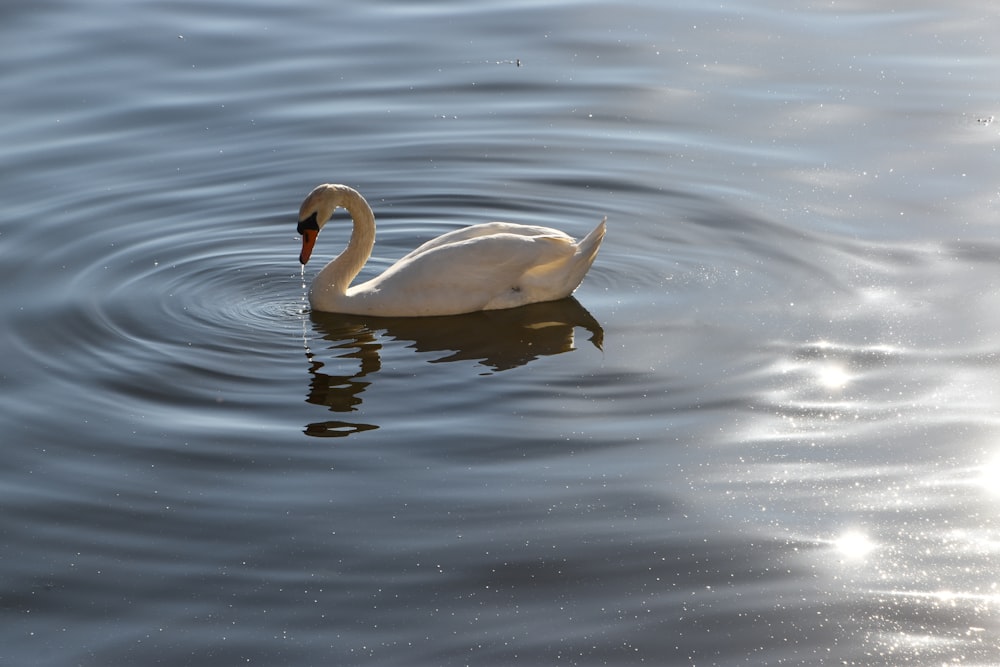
(339, 273)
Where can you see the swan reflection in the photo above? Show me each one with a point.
(499, 340)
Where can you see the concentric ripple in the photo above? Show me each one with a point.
(172, 305)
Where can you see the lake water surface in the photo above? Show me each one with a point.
(766, 429)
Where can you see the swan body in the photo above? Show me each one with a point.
(483, 267)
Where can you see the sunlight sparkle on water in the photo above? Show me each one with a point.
(989, 473)
(833, 376)
(854, 545)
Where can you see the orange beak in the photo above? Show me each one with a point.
(308, 241)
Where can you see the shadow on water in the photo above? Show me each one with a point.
(499, 340)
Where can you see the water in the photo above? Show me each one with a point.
(764, 431)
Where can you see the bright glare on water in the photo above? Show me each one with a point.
(854, 545)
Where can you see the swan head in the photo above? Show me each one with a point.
(316, 211)
(308, 229)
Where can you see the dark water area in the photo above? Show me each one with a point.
(763, 431)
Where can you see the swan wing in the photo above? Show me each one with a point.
(472, 272)
(485, 231)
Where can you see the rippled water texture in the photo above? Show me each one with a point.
(764, 430)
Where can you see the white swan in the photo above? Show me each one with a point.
(484, 267)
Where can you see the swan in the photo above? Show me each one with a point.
(483, 267)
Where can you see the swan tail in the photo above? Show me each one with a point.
(559, 280)
(585, 254)
(591, 243)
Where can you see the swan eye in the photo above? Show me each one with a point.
(307, 224)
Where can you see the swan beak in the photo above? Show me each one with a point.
(308, 241)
